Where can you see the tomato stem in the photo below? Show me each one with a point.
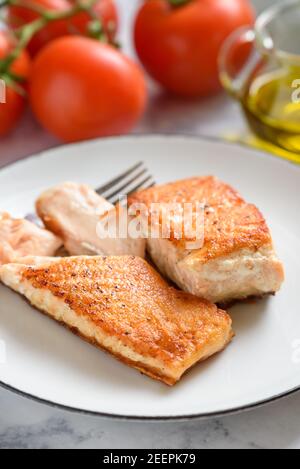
(14, 82)
(26, 33)
(178, 3)
(24, 36)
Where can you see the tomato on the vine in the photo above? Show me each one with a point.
(178, 41)
(81, 88)
(106, 12)
(12, 109)
(103, 10)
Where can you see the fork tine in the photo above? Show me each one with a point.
(33, 218)
(123, 187)
(142, 188)
(135, 189)
(140, 185)
(147, 187)
(118, 179)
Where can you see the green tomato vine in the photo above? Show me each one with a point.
(25, 33)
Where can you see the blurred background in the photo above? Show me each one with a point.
(214, 116)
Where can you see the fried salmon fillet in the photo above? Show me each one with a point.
(74, 212)
(235, 258)
(122, 305)
(19, 238)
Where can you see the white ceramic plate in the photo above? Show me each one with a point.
(45, 361)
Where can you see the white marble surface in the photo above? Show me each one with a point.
(27, 424)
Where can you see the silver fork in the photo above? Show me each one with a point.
(132, 180)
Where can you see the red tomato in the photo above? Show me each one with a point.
(81, 88)
(20, 15)
(12, 110)
(103, 9)
(106, 11)
(179, 46)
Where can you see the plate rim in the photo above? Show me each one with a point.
(141, 418)
(159, 418)
(153, 136)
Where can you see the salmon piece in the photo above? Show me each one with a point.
(19, 238)
(236, 257)
(123, 306)
(73, 212)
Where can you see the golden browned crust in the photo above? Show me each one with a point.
(230, 224)
(152, 372)
(128, 300)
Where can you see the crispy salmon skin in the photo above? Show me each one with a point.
(236, 257)
(122, 305)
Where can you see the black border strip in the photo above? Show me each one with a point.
(201, 416)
